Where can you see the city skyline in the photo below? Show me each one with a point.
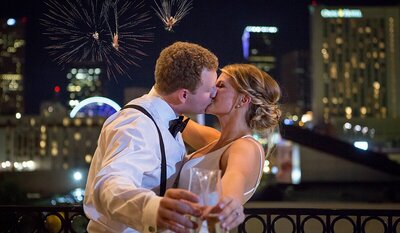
(63, 144)
(199, 26)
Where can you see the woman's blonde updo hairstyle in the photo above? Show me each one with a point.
(264, 112)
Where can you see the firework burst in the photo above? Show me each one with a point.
(111, 32)
(172, 11)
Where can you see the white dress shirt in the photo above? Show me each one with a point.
(124, 175)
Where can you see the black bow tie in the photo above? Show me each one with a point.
(177, 125)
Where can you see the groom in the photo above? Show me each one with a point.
(124, 176)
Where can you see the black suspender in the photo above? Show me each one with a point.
(163, 181)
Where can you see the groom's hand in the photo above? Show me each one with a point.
(175, 204)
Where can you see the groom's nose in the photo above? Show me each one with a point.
(214, 92)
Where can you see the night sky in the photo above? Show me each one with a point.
(215, 24)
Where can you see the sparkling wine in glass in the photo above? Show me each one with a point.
(210, 187)
(195, 187)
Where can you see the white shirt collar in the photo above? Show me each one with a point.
(163, 109)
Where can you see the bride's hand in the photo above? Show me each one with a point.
(230, 212)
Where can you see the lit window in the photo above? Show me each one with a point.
(88, 158)
(77, 136)
(376, 85)
(363, 110)
(54, 152)
(77, 122)
(348, 110)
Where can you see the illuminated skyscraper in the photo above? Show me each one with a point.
(259, 47)
(84, 82)
(12, 55)
(356, 67)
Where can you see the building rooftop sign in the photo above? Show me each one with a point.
(341, 13)
(254, 29)
(261, 29)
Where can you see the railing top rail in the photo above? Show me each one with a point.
(322, 211)
(66, 208)
(302, 211)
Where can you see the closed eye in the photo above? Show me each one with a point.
(220, 84)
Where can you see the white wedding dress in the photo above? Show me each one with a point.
(211, 161)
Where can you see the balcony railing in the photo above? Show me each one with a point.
(27, 219)
(280, 220)
(30, 219)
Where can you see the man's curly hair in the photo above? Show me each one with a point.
(180, 65)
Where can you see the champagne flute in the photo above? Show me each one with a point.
(212, 190)
(207, 185)
(195, 187)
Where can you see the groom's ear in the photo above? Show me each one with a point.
(183, 95)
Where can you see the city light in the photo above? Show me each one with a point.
(77, 176)
(347, 125)
(296, 176)
(296, 169)
(288, 122)
(246, 44)
(274, 170)
(29, 165)
(11, 22)
(6, 164)
(363, 145)
(308, 116)
(266, 168)
(276, 138)
(78, 194)
(57, 89)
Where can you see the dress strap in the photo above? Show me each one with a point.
(261, 166)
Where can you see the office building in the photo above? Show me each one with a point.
(259, 47)
(43, 143)
(85, 80)
(53, 140)
(12, 55)
(356, 70)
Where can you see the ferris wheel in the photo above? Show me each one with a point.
(96, 106)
